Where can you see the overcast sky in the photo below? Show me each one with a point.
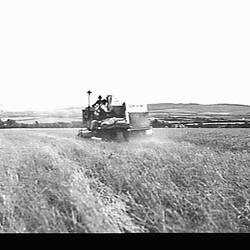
(53, 51)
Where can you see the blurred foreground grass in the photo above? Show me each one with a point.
(179, 180)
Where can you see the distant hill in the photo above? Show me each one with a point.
(67, 114)
(194, 108)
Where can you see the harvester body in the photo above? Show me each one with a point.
(121, 121)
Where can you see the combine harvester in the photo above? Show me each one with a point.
(120, 122)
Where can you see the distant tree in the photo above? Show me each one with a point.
(11, 123)
(158, 123)
(247, 124)
(200, 124)
(1, 123)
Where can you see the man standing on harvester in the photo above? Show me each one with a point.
(101, 109)
(98, 102)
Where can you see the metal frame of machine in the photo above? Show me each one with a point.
(135, 121)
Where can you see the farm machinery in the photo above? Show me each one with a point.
(110, 119)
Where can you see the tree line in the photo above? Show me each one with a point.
(10, 123)
(160, 123)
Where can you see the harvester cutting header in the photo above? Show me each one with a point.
(109, 118)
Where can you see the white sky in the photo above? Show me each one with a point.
(53, 51)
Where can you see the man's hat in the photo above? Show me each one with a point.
(99, 97)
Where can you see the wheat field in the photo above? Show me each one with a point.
(178, 180)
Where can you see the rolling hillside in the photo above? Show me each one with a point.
(200, 109)
(166, 111)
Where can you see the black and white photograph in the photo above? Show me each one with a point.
(124, 117)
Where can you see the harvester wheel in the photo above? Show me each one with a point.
(85, 133)
(126, 135)
(119, 136)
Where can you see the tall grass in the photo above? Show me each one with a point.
(43, 190)
(180, 180)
